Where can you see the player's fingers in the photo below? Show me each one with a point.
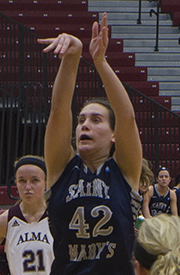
(104, 21)
(54, 44)
(104, 35)
(60, 44)
(45, 41)
(95, 30)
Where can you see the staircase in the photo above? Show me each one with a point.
(163, 65)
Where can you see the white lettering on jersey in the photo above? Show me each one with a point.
(159, 205)
(97, 188)
(90, 252)
(31, 236)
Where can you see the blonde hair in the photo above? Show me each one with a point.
(160, 236)
(146, 173)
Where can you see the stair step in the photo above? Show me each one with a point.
(133, 16)
(118, 8)
(151, 49)
(143, 29)
(175, 108)
(137, 36)
(163, 78)
(169, 86)
(118, 3)
(122, 22)
(156, 56)
(164, 71)
(150, 43)
(156, 63)
(175, 100)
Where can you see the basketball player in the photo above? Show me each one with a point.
(159, 198)
(90, 211)
(156, 250)
(29, 243)
(176, 189)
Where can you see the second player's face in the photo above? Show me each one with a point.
(143, 186)
(30, 181)
(163, 178)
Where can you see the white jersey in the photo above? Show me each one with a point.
(29, 246)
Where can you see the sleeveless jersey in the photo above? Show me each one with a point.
(159, 204)
(91, 221)
(29, 246)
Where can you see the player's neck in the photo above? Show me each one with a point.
(34, 212)
(162, 190)
(93, 163)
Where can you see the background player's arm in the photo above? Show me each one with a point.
(3, 225)
(173, 203)
(145, 206)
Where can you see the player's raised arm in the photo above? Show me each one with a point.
(128, 152)
(58, 150)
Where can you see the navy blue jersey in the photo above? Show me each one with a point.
(159, 204)
(91, 221)
(178, 200)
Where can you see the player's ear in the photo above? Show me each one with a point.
(140, 270)
(113, 138)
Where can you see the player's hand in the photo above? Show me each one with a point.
(62, 45)
(99, 39)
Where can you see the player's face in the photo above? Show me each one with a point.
(30, 181)
(143, 186)
(163, 178)
(93, 132)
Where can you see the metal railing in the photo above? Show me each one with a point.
(156, 47)
(26, 79)
(159, 130)
(22, 124)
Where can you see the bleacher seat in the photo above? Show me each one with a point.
(115, 45)
(170, 6)
(127, 74)
(148, 88)
(30, 5)
(165, 151)
(173, 8)
(145, 119)
(5, 199)
(141, 104)
(166, 134)
(176, 18)
(116, 59)
(52, 17)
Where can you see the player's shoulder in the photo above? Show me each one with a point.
(151, 190)
(172, 194)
